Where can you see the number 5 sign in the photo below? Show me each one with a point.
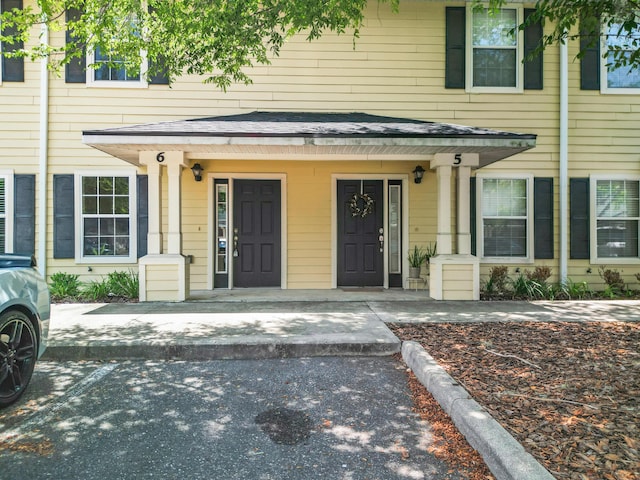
(455, 160)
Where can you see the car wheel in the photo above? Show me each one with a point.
(18, 354)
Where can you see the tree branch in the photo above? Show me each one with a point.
(513, 356)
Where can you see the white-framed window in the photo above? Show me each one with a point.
(116, 76)
(6, 212)
(505, 217)
(615, 219)
(106, 217)
(622, 79)
(494, 50)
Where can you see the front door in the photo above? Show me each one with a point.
(360, 227)
(256, 233)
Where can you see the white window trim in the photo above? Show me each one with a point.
(8, 209)
(519, 88)
(480, 224)
(140, 83)
(133, 234)
(593, 222)
(604, 71)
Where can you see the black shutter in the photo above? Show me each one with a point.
(24, 221)
(532, 68)
(159, 76)
(543, 217)
(63, 217)
(157, 67)
(455, 47)
(472, 214)
(142, 203)
(12, 68)
(76, 70)
(579, 218)
(590, 62)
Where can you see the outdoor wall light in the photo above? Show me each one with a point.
(197, 171)
(418, 172)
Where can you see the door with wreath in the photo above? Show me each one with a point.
(360, 227)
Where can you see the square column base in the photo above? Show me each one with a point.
(455, 277)
(164, 278)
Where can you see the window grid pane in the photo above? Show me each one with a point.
(621, 77)
(504, 211)
(2, 196)
(493, 29)
(2, 235)
(495, 48)
(117, 72)
(617, 218)
(106, 220)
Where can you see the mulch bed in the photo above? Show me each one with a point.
(568, 392)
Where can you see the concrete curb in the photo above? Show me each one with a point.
(504, 456)
(215, 351)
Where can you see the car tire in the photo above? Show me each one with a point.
(18, 355)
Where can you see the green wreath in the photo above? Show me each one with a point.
(361, 205)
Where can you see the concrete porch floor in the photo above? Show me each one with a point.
(343, 294)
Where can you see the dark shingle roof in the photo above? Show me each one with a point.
(298, 135)
(308, 124)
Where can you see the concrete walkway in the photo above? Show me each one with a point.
(253, 324)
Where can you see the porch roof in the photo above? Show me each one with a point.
(307, 135)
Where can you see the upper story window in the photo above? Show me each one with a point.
(505, 223)
(106, 217)
(112, 72)
(621, 79)
(616, 208)
(494, 50)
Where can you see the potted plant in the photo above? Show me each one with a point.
(430, 251)
(416, 259)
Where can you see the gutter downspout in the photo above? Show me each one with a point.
(43, 179)
(564, 159)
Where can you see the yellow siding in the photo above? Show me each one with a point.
(457, 282)
(395, 69)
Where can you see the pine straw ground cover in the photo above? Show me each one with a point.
(568, 392)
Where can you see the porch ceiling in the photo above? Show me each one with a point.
(307, 136)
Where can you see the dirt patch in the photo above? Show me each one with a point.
(568, 392)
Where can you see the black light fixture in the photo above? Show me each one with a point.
(418, 172)
(197, 171)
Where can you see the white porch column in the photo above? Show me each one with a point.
(164, 276)
(464, 214)
(175, 164)
(443, 235)
(154, 237)
(454, 276)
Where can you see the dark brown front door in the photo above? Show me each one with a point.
(256, 224)
(360, 259)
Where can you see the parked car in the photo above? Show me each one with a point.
(24, 323)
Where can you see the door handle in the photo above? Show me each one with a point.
(381, 239)
(235, 242)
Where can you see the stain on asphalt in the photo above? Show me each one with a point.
(284, 425)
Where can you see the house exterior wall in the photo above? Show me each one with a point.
(396, 68)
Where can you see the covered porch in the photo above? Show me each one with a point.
(342, 149)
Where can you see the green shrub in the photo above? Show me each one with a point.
(117, 284)
(64, 286)
(614, 284)
(524, 287)
(95, 291)
(576, 290)
(123, 284)
(540, 274)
